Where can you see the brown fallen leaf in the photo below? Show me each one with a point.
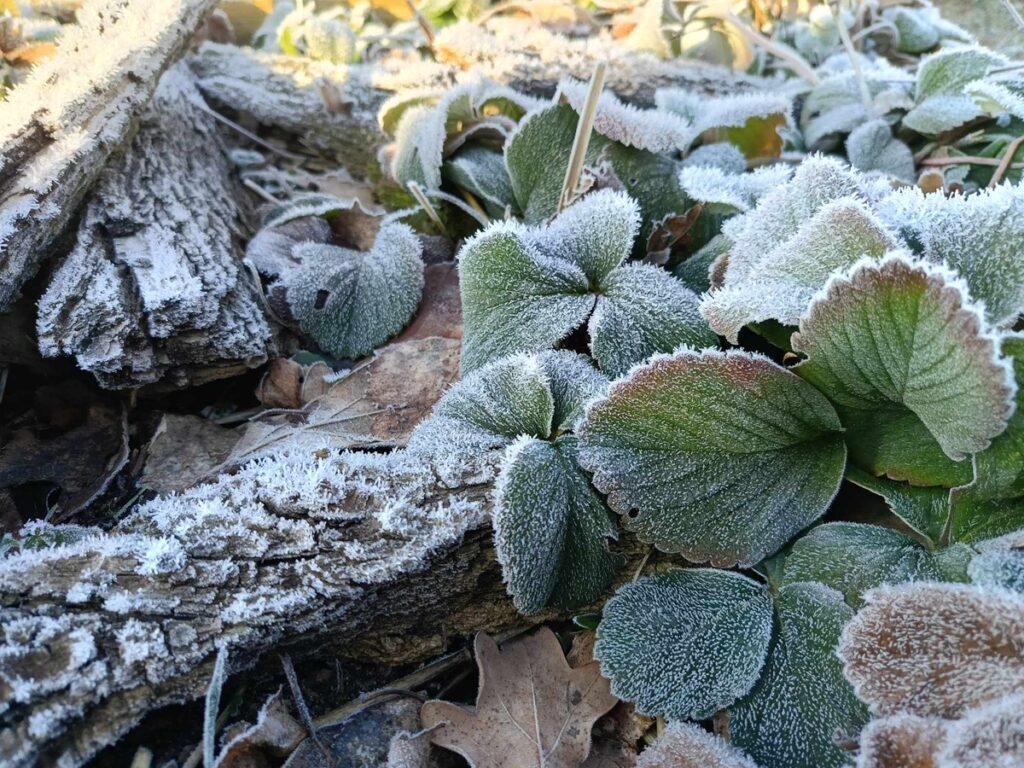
(532, 709)
(902, 741)
(685, 745)
(184, 450)
(934, 650)
(440, 311)
(670, 234)
(288, 384)
(275, 734)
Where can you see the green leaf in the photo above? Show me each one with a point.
(941, 104)
(537, 155)
(685, 643)
(978, 235)
(872, 147)
(853, 558)
(749, 121)
(643, 310)
(695, 272)
(551, 530)
(482, 172)
(911, 367)
(730, 192)
(722, 457)
(1000, 567)
(351, 301)
(785, 250)
(994, 503)
(916, 33)
(925, 509)
(790, 717)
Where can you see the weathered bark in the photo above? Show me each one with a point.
(333, 108)
(60, 126)
(154, 289)
(379, 557)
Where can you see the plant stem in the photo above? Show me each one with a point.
(582, 139)
(796, 62)
(1006, 161)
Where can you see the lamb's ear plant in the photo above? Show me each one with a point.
(528, 288)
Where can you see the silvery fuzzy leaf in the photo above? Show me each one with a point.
(748, 121)
(818, 36)
(524, 289)
(551, 530)
(978, 235)
(916, 32)
(419, 147)
(791, 716)
(998, 96)
(853, 558)
(998, 567)
(685, 745)
(989, 735)
(695, 272)
(721, 457)
(653, 130)
(537, 154)
(482, 172)
(911, 366)
(643, 310)
(791, 273)
(351, 301)
(872, 147)
(941, 104)
(925, 509)
(836, 106)
(935, 650)
(731, 192)
(724, 156)
(685, 643)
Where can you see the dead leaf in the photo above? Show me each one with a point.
(934, 650)
(902, 741)
(275, 734)
(362, 740)
(670, 234)
(685, 745)
(184, 450)
(287, 384)
(532, 709)
(440, 310)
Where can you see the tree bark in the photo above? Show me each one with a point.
(333, 108)
(380, 557)
(62, 124)
(154, 289)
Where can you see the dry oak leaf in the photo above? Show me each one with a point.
(532, 709)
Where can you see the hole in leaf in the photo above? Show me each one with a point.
(633, 514)
(321, 299)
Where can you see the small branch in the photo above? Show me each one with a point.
(1006, 161)
(424, 25)
(968, 160)
(582, 138)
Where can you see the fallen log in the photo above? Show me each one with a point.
(379, 557)
(60, 126)
(333, 108)
(154, 289)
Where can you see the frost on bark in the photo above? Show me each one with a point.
(332, 108)
(59, 127)
(374, 556)
(154, 289)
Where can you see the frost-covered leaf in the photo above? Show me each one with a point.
(749, 121)
(872, 147)
(730, 192)
(791, 716)
(719, 456)
(537, 155)
(653, 130)
(482, 172)
(786, 249)
(923, 508)
(901, 741)
(350, 301)
(853, 558)
(685, 745)
(978, 235)
(935, 650)
(724, 156)
(836, 106)
(916, 33)
(525, 289)
(911, 367)
(685, 643)
(998, 96)
(532, 395)
(695, 271)
(999, 567)
(643, 310)
(989, 735)
(531, 710)
(551, 530)
(941, 104)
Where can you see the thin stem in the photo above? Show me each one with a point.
(421, 20)
(1014, 13)
(248, 134)
(797, 63)
(303, 709)
(1006, 161)
(851, 52)
(250, 184)
(968, 160)
(582, 139)
(417, 192)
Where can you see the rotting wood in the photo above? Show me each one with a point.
(60, 126)
(154, 289)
